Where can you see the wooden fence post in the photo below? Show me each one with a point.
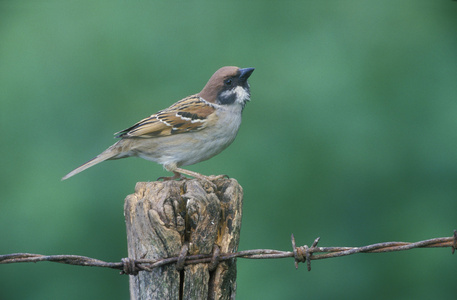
(162, 217)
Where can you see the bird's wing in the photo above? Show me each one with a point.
(187, 115)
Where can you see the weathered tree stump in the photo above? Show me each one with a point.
(162, 217)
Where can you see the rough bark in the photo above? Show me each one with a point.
(163, 216)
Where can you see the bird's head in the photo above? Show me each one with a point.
(228, 86)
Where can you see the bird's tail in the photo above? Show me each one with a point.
(110, 153)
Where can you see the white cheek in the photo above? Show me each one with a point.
(241, 94)
(225, 94)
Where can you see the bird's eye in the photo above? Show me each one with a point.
(228, 82)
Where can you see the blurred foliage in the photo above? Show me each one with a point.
(351, 135)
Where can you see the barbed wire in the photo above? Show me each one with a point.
(300, 254)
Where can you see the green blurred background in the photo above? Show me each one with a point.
(351, 135)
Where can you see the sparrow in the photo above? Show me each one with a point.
(192, 130)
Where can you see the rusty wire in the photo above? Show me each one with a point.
(300, 254)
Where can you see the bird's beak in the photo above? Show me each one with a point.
(245, 73)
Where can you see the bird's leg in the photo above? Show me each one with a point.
(177, 176)
(208, 179)
(200, 176)
(190, 173)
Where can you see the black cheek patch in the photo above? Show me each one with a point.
(225, 98)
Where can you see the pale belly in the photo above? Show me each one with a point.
(182, 151)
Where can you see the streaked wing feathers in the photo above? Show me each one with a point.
(187, 115)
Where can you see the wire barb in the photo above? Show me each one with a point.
(182, 257)
(298, 258)
(129, 266)
(304, 253)
(215, 259)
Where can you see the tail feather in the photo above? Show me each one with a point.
(98, 159)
